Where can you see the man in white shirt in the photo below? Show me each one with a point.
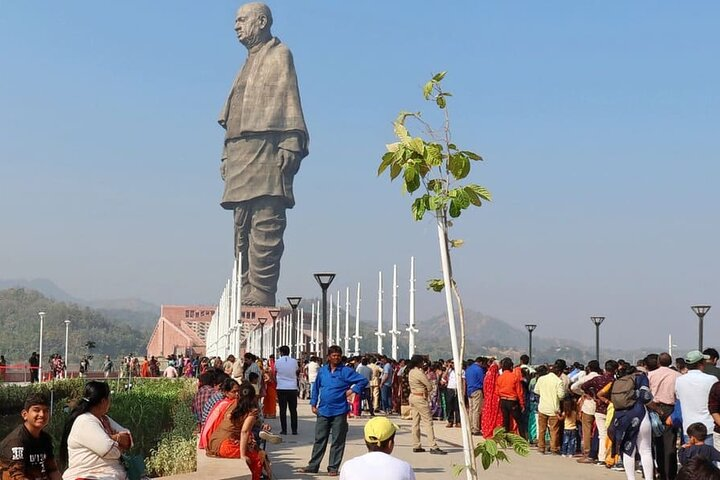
(312, 370)
(692, 389)
(451, 396)
(170, 372)
(366, 372)
(378, 463)
(286, 376)
(587, 409)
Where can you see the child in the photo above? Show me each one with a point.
(254, 380)
(697, 447)
(27, 452)
(569, 416)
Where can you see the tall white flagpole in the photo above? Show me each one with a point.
(411, 328)
(347, 321)
(298, 333)
(238, 302)
(282, 331)
(337, 320)
(312, 328)
(379, 332)
(302, 332)
(357, 336)
(317, 331)
(288, 332)
(394, 332)
(330, 325)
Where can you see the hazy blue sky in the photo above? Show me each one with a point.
(599, 123)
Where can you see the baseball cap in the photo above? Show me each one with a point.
(379, 429)
(694, 356)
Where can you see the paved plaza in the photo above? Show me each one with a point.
(295, 452)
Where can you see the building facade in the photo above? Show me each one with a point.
(181, 329)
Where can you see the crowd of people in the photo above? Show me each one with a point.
(665, 414)
(653, 417)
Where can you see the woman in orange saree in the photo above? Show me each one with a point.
(270, 401)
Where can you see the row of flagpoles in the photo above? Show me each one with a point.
(230, 333)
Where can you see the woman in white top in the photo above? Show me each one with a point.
(92, 442)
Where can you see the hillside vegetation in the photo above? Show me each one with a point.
(20, 327)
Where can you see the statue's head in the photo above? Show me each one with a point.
(252, 24)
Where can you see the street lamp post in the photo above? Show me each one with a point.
(40, 363)
(274, 312)
(294, 302)
(700, 311)
(530, 328)
(324, 280)
(67, 329)
(597, 321)
(262, 321)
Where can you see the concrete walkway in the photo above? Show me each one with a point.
(295, 452)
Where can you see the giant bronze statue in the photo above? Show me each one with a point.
(265, 140)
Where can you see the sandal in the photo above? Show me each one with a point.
(333, 473)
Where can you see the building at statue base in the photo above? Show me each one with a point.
(181, 330)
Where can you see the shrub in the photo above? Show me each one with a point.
(173, 455)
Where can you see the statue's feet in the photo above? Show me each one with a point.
(258, 299)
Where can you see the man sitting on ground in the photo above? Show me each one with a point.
(378, 463)
(27, 452)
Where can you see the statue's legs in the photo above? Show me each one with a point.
(259, 227)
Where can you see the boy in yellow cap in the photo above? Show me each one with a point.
(378, 463)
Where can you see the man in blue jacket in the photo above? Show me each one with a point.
(474, 378)
(329, 401)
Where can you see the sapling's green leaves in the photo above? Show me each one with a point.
(482, 192)
(401, 132)
(439, 76)
(436, 285)
(474, 198)
(471, 155)
(435, 185)
(454, 209)
(419, 208)
(434, 154)
(412, 178)
(486, 460)
(457, 243)
(491, 447)
(437, 202)
(386, 161)
(427, 89)
(458, 469)
(395, 170)
(417, 145)
(440, 100)
(462, 198)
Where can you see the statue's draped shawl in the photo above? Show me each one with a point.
(271, 101)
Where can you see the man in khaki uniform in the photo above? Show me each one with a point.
(375, 383)
(420, 388)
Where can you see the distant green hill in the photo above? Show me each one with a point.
(20, 327)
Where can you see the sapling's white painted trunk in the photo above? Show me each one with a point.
(469, 457)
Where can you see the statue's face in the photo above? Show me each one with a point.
(248, 25)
